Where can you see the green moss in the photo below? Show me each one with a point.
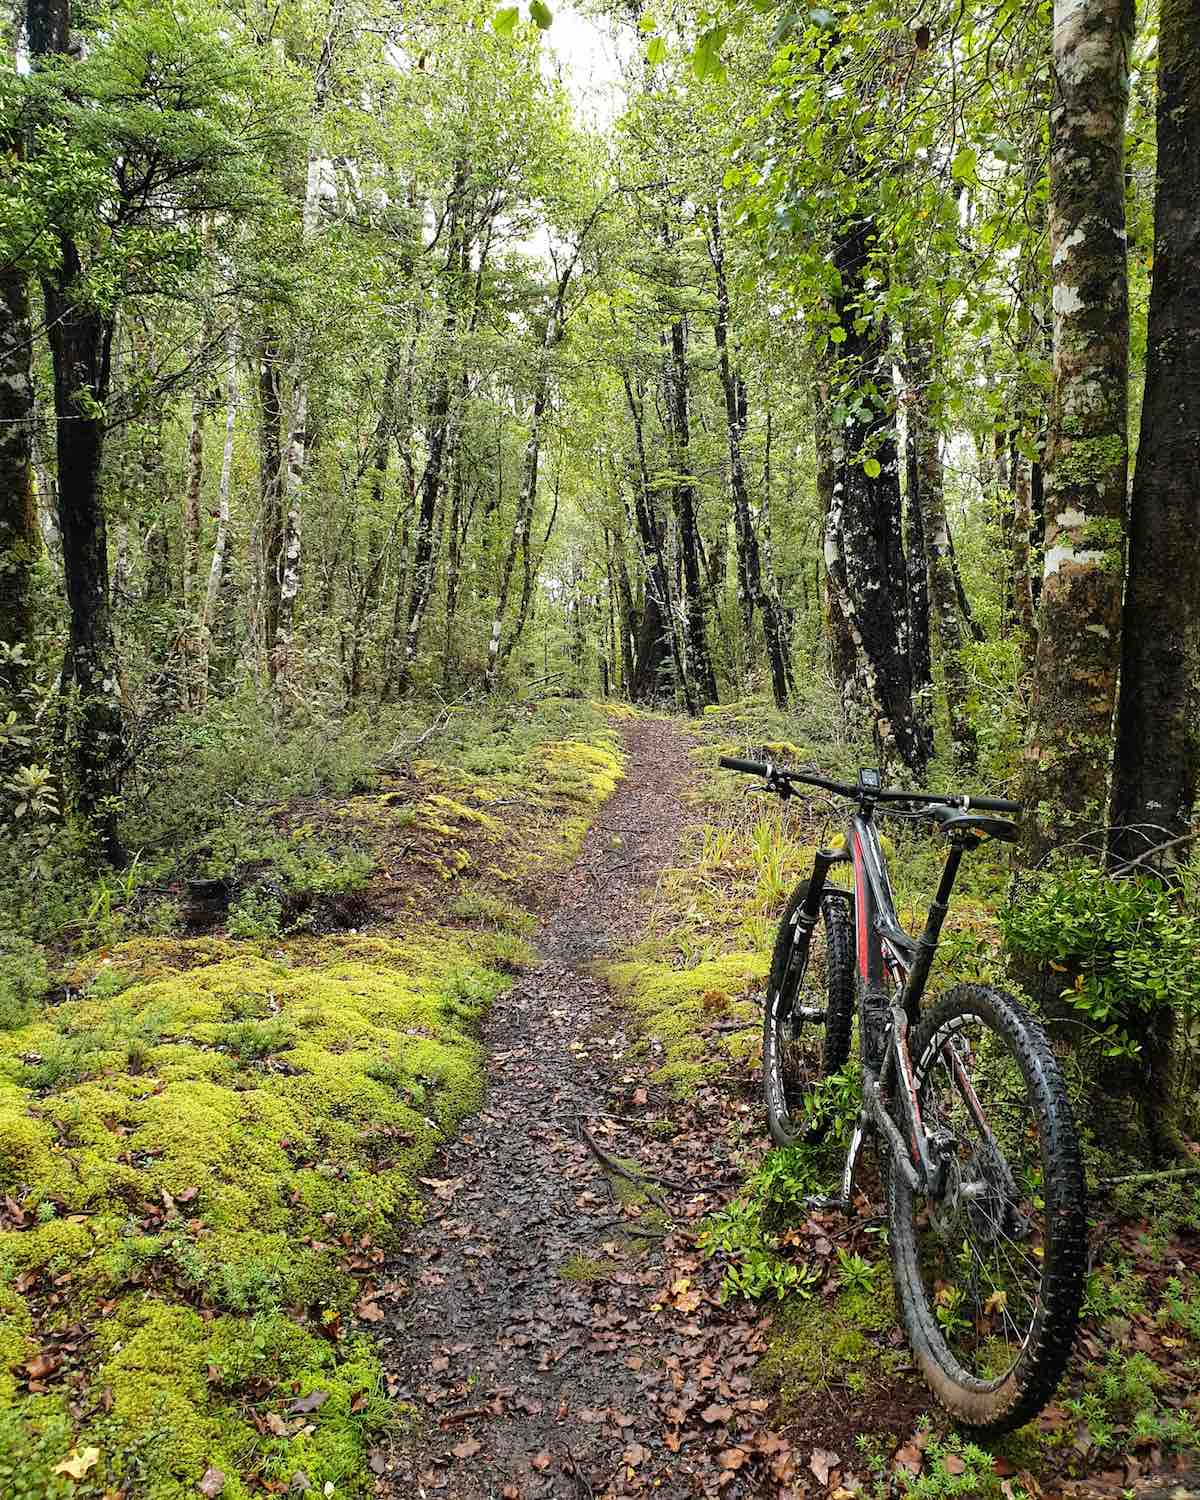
(586, 1268)
(818, 1343)
(1089, 460)
(675, 1004)
(281, 1105)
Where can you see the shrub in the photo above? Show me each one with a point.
(1124, 946)
(24, 979)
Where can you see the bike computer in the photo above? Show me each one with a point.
(868, 780)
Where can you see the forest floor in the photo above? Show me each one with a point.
(557, 1325)
(430, 1161)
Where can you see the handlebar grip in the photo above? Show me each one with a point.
(751, 767)
(994, 804)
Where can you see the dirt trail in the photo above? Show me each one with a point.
(533, 1382)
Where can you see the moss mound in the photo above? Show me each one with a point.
(677, 1006)
(203, 1151)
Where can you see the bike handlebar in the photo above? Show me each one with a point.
(840, 788)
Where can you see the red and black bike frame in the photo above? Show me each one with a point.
(892, 972)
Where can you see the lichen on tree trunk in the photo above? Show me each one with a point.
(1069, 743)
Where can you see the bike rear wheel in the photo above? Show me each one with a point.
(808, 1014)
(989, 1270)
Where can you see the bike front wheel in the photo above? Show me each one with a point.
(808, 1014)
(989, 1266)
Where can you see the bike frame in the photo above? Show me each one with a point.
(893, 968)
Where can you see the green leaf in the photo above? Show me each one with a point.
(837, 335)
(962, 168)
(540, 14)
(1006, 151)
(706, 55)
(504, 22)
(647, 24)
(823, 18)
(871, 468)
(656, 51)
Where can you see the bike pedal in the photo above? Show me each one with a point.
(826, 1205)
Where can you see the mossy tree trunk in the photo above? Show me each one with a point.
(1069, 745)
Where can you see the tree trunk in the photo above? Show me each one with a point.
(80, 340)
(216, 568)
(270, 464)
(657, 626)
(684, 489)
(918, 431)
(1158, 748)
(192, 649)
(498, 653)
(1071, 717)
(20, 540)
(750, 571)
(843, 655)
(1024, 621)
(865, 520)
(942, 592)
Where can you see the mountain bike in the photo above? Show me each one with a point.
(977, 1145)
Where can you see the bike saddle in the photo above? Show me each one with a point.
(954, 820)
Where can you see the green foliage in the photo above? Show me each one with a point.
(24, 979)
(255, 914)
(1128, 946)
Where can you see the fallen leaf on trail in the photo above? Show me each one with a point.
(277, 1425)
(908, 1458)
(42, 1365)
(635, 1454)
(377, 1462)
(468, 1448)
(821, 1463)
(370, 1312)
(301, 1483)
(312, 1402)
(731, 1458)
(673, 1441)
(540, 1462)
(79, 1463)
(213, 1483)
(444, 1187)
(640, 1096)
(953, 1464)
(715, 1413)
